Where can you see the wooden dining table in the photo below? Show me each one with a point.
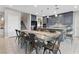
(43, 36)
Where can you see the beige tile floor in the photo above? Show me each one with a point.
(10, 46)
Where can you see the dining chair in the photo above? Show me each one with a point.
(33, 40)
(18, 35)
(35, 43)
(54, 46)
(69, 33)
(23, 39)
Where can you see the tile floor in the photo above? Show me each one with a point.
(10, 46)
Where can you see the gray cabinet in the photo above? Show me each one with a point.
(65, 19)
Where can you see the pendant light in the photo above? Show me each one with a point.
(47, 16)
(56, 15)
(56, 9)
(35, 6)
(48, 11)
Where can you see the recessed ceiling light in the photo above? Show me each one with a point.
(47, 16)
(75, 7)
(35, 6)
(36, 13)
(56, 15)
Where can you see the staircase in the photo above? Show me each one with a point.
(23, 27)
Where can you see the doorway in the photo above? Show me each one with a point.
(2, 23)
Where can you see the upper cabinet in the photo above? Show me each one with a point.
(64, 19)
(33, 17)
(68, 18)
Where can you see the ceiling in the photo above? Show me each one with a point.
(41, 10)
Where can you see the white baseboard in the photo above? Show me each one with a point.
(75, 36)
(10, 36)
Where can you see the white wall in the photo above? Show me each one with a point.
(12, 22)
(29, 22)
(76, 23)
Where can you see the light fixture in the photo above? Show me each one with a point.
(47, 16)
(48, 13)
(75, 7)
(36, 13)
(35, 6)
(56, 15)
(2, 19)
(10, 5)
(55, 12)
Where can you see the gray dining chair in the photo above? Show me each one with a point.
(34, 43)
(23, 39)
(54, 46)
(69, 33)
(18, 35)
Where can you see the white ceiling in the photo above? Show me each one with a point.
(41, 10)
